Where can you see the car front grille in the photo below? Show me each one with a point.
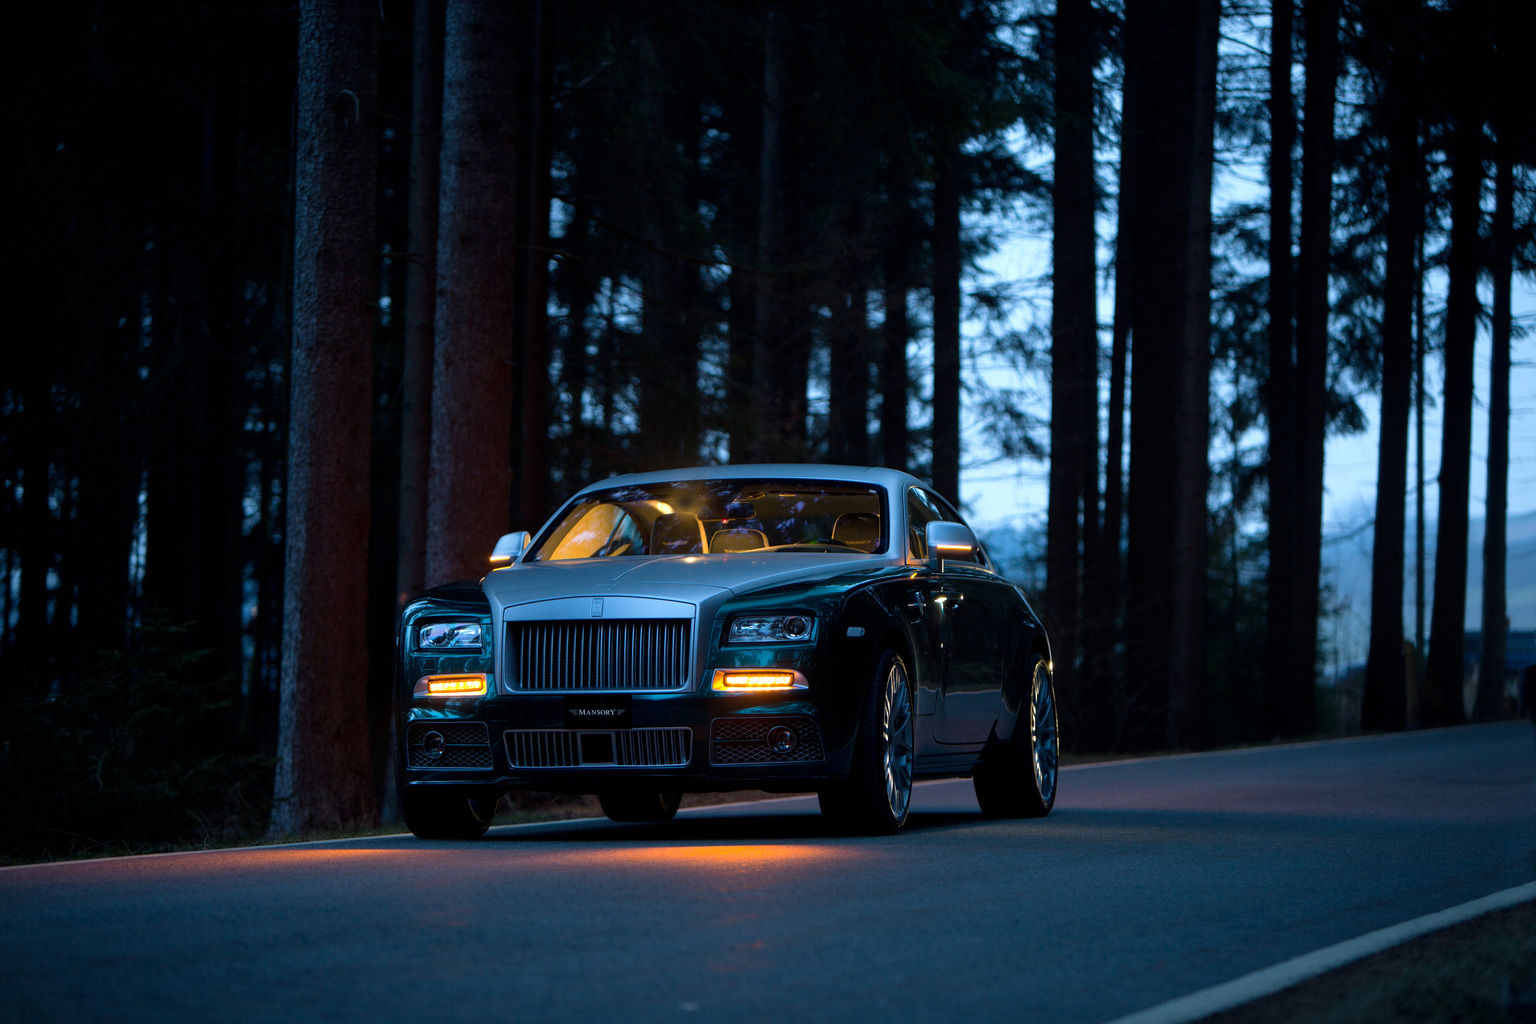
(640, 655)
(465, 745)
(622, 748)
(744, 740)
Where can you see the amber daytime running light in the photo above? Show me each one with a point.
(758, 679)
(451, 686)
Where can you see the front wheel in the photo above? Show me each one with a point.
(438, 813)
(878, 793)
(642, 805)
(1021, 782)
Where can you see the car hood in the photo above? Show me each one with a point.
(668, 575)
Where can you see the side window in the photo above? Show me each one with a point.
(920, 512)
(603, 530)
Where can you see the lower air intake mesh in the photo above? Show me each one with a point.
(744, 740)
(465, 745)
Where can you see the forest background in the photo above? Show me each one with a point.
(314, 302)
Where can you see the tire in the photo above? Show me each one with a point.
(877, 796)
(644, 805)
(1021, 782)
(442, 813)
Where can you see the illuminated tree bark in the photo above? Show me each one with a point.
(420, 297)
(323, 773)
(470, 497)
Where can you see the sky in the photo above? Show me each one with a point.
(1013, 493)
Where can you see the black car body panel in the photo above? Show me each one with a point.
(964, 631)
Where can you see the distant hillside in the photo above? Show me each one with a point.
(1347, 569)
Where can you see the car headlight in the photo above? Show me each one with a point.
(766, 629)
(455, 637)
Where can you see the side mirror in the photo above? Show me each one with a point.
(510, 548)
(949, 540)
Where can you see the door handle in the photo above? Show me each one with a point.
(952, 598)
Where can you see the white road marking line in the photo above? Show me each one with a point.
(1198, 1005)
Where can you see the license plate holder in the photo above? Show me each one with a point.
(606, 711)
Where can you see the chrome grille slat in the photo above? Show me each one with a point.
(642, 655)
(632, 748)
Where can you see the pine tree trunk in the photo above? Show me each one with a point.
(109, 478)
(577, 291)
(1103, 709)
(1442, 701)
(470, 499)
(1074, 349)
(1282, 664)
(1186, 700)
(1490, 687)
(848, 384)
(1384, 704)
(420, 296)
(1419, 648)
(323, 772)
(767, 362)
(220, 482)
(1317, 147)
(533, 471)
(946, 328)
(35, 525)
(1157, 204)
(896, 329)
(1168, 56)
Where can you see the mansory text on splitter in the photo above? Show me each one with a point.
(826, 629)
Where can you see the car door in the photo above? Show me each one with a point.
(932, 629)
(973, 601)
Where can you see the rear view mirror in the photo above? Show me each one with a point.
(510, 547)
(949, 540)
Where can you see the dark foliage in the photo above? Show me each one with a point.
(129, 758)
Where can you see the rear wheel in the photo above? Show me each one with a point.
(878, 793)
(1021, 783)
(441, 813)
(640, 805)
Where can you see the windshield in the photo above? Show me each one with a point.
(699, 517)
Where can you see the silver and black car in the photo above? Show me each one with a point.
(826, 629)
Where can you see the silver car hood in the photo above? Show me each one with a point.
(691, 578)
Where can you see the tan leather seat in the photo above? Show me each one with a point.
(858, 530)
(677, 533)
(740, 539)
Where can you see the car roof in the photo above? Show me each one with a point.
(893, 479)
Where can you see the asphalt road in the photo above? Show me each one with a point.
(1151, 879)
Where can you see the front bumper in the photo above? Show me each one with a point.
(723, 748)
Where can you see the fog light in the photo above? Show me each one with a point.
(782, 739)
(433, 745)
